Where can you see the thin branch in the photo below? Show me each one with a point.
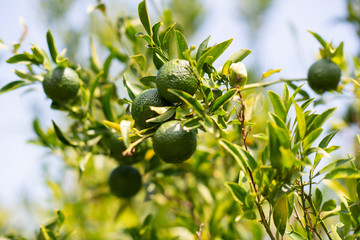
(198, 233)
(241, 118)
(303, 205)
(244, 134)
(308, 198)
(265, 84)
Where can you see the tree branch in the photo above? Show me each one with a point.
(265, 84)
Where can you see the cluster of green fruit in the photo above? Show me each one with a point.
(172, 142)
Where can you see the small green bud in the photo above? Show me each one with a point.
(238, 75)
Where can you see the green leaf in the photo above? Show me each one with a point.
(21, 58)
(318, 151)
(243, 158)
(285, 97)
(307, 103)
(226, 68)
(128, 89)
(333, 165)
(203, 45)
(280, 214)
(220, 101)
(93, 86)
(95, 63)
(146, 37)
(138, 64)
(334, 233)
(52, 46)
(239, 55)
(62, 137)
(291, 203)
(329, 205)
(212, 53)
(320, 39)
(249, 202)
(167, 38)
(182, 44)
(189, 100)
(278, 105)
(310, 138)
(163, 116)
(106, 104)
(326, 140)
(125, 128)
(158, 59)
(295, 235)
(343, 173)
(248, 158)
(38, 54)
(298, 90)
(144, 17)
(28, 76)
(148, 81)
(13, 85)
(323, 144)
(318, 198)
(107, 65)
(269, 73)
(339, 53)
(60, 217)
(274, 147)
(288, 158)
(155, 30)
(345, 218)
(40, 133)
(283, 131)
(44, 234)
(320, 119)
(115, 53)
(300, 116)
(238, 193)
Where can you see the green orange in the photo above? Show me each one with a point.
(176, 74)
(324, 75)
(140, 108)
(61, 85)
(172, 143)
(125, 181)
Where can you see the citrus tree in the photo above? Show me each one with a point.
(189, 151)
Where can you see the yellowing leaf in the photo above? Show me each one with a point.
(270, 72)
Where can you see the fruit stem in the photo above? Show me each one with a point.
(265, 84)
(129, 150)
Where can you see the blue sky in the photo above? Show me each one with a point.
(278, 47)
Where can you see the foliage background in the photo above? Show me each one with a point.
(278, 40)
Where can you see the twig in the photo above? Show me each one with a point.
(131, 149)
(241, 118)
(198, 233)
(265, 84)
(303, 205)
(320, 219)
